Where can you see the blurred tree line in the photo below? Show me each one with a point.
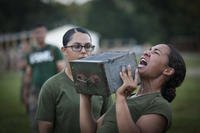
(146, 21)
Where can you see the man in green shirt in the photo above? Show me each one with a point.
(58, 106)
(43, 61)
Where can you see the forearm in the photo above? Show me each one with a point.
(124, 120)
(87, 122)
(45, 127)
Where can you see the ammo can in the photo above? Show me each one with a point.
(99, 74)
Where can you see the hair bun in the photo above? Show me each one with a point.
(169, 94)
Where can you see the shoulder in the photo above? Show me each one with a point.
(162, 103)
(52, 88)
(55, 50)
(158, 103)
(56, 78)
(32, 50)
(53, 82)
(161, 107)
(52, 46)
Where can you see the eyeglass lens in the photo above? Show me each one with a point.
(78, 47)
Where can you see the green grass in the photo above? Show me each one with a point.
(186, 109)
(13, 118)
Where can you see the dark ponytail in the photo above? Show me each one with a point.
(176, 61)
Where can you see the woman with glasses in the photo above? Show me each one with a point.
(161, 70)
(58, 106)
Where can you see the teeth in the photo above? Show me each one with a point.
(143, 62)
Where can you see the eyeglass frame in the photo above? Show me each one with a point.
(81, 47)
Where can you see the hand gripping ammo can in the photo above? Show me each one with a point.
(99, 74)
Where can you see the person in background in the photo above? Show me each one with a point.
(24, 49)
(43, 61)
(58, 106)
(161, 70)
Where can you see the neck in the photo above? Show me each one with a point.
(68, 71)
(145, 92)
(150, 86)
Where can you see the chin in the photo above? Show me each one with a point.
(142, 71)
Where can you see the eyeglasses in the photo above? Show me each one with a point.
(78, 47)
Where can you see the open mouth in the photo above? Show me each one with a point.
(142, 63)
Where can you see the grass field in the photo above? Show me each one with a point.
(13, 118)
(186, 109)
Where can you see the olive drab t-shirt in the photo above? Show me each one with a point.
(43, 63)
(59, 103)
(147, 104)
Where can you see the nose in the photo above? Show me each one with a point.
(83, 50)
(147, 53)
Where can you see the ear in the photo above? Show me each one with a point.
(168, 71)
(63, 51)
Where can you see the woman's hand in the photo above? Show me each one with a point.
(129, 84)
(125, 122)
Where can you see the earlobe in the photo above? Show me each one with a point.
(169, 71)
(62, 49)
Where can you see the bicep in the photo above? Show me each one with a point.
(152, 123)
(46, 104)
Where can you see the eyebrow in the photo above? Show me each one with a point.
(156, 49)
(78, 43)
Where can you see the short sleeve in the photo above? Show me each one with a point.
(109, 124)
(161, 107)
(46, 104)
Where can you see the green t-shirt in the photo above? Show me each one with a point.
(59, 103)
(147, 104)
(43, 63)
